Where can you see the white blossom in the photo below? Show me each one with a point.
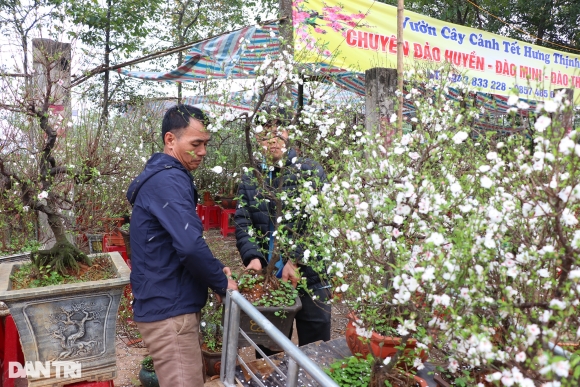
(459, 137)
(542, 123)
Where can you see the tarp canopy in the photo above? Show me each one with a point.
(235, 56)
(240, 101)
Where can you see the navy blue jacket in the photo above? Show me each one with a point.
(172, 266)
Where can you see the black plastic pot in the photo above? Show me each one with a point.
(148, 378)
(283, 322)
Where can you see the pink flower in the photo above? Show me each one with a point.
(327, 53)
(299, 17)
(351, 24)
(335, 26)
(331, 17)
(359, 16)
(334, 9)
(319, 30)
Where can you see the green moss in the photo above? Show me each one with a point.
(29, 275)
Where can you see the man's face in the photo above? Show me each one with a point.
(189, 147)
(273, 143)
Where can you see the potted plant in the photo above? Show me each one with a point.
(276, 300)
(227, 198)
(212, 335)
(207, 198)
(147, 375)
(67, 322)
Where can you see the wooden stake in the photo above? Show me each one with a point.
(400, 11)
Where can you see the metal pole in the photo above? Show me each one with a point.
(287, 346)
(400, 11)
(292, 373)
(225, 339)
(232, 327)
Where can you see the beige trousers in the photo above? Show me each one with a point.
(174, 346)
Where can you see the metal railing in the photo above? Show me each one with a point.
(296, 358)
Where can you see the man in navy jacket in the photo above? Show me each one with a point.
(172, 266)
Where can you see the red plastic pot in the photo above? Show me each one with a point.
(381, 346)
(422, 382)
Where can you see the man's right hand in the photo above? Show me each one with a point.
(255, 264)
(232, 284)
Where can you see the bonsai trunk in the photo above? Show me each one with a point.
(380, 371)
(63, 256)
(378, 374)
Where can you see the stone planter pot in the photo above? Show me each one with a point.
(70, 322)
(212, 362)
(381, 346)
(148, 378)
(258, 335)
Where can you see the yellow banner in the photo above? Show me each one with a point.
(360, 34)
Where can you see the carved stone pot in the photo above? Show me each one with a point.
(67, 323)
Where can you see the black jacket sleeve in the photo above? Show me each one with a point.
(246, 246)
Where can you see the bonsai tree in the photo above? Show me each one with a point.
(274, 77)
(54, 166)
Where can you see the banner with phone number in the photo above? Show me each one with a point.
(361, 34)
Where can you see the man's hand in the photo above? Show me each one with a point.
(231, 285)
(255, 264)
(291, 272)
(227, 271)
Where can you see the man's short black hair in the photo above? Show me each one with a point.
(274, 116)
(177, 118)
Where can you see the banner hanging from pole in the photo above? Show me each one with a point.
(361, 34)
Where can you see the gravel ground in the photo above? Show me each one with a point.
(130, 356)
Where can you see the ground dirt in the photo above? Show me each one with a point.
(130, 354)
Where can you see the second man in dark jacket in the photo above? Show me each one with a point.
(283, 173)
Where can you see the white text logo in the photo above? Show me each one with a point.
(34, 369)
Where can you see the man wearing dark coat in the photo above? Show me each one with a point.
(283, 173)
(172, 266)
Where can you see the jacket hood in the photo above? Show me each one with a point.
(157, 163)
